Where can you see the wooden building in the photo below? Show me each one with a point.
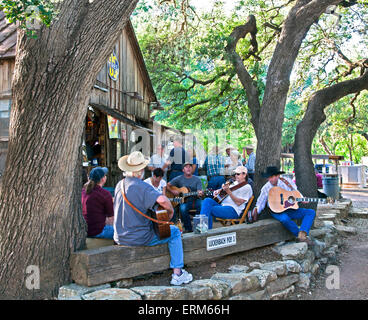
(118, 115)
(8, 39)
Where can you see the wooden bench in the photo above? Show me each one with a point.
(93, 243)
(112, 263)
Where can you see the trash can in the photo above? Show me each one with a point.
(331, 186)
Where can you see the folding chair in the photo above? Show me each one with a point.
(239, 220)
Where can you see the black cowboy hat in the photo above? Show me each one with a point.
(271, 171)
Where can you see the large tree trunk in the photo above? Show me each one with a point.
(268, 117)
(307, 129)
(40, 210)
(365, 135)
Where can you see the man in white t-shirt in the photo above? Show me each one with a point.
(157, 181)
(233, 205)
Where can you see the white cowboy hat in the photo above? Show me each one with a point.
(133, 162)
(250, 147)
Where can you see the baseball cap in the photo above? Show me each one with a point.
(241, 169)
(98, 173)
(186, 163)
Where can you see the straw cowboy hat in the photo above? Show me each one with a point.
(250, 147)
(229, 146)
(133, 162)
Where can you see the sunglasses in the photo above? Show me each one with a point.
(237, 174)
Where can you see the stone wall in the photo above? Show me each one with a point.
(297, 267)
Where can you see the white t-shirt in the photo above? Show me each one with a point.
(244, 193)
(160, 187)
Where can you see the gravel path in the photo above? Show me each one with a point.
(352, 262)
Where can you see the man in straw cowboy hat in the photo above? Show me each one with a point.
(132, 228)
(286, 218)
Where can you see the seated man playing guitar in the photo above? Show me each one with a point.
(286, 217)
(193, 184)
(132, 224)
(230, 201)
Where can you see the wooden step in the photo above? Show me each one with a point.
(112, 263)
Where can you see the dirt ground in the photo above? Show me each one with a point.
(352, 264)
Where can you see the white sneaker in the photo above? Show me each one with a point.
(185, 277)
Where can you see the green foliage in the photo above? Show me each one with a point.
(30, 14)
(199, 89)
(327, 56)
(345, 124)
(185, 56)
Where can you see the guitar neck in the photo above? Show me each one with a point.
(310, 200)
(190, 194)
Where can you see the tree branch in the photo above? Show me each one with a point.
(244, 76)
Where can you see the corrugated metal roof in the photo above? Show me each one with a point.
(8, 38)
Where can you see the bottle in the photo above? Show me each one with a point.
(180, 226)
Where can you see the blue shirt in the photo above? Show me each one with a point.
(251, 164)
(178, 156)
(194, 161)
(130, 227)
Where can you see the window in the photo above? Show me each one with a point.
(4, 117)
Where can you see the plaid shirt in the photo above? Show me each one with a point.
(215, 165)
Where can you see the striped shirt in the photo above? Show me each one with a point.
(263, 197)
(215, 165)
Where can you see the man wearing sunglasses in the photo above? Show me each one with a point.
(233, 205)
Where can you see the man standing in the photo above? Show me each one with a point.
(233, 205)
(251, 163)
(215, 165)
(177, 157)
(193, 184)
(286, 218)
(133, 229)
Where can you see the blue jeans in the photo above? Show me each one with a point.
(175, 247)
(211, 209)
(184, 210)
(216, 182)
(306, 215)
(107, 232)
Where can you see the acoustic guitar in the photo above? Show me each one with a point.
(280, 199)
(223, 195)
(184, 192)
(162, 230)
